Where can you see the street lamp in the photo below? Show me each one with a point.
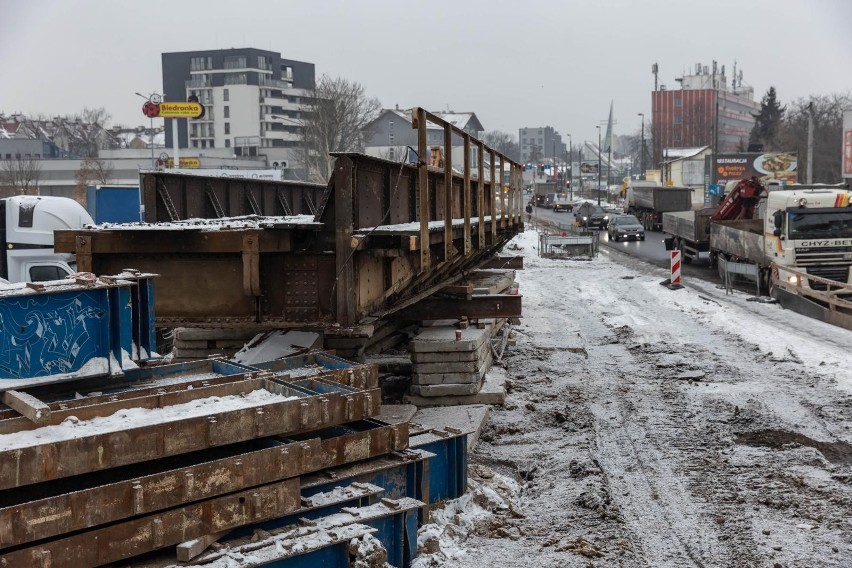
(156, 99)
(600, 165)
(642, 155)
(570, 165)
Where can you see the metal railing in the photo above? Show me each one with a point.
(510, 195)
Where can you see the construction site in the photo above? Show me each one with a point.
(261, 373)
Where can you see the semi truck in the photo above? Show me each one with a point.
(648, 201)
(784, 235)
(27, 223)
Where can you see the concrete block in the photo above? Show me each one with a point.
(445, 390)
(451, 356)
(493, 391)
(396, 413)
(443, 339)
(469, 418)
(467, 377)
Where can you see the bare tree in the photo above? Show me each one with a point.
(89, 134)
(19, 176)
(828, 134)
(504, 143)
(92, 170)
(337, 115)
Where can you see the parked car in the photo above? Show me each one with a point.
(589, 215)
(625, 227)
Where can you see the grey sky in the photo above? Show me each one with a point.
(515, 64)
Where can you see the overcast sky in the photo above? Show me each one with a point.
(528, 63)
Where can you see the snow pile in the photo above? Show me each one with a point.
(441, 539)
(368, 552)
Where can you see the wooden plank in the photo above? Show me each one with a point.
(501, 193)
(493, 198)
(35, 410)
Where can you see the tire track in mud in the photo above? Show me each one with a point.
(625, 464)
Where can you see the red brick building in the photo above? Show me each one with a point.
(691, 116)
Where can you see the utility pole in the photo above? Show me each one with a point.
(600, 164)
(642, 155)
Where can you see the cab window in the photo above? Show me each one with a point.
(47, 272)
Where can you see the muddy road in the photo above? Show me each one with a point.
(650, 427)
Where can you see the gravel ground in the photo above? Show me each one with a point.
(651, 427)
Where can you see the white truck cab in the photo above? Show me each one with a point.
(27, 224)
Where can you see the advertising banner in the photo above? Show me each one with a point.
(779, 166)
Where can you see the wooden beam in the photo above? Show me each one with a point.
(493, 198)
(28, 405)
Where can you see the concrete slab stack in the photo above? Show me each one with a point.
(450, 362)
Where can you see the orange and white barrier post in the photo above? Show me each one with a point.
(675, 280)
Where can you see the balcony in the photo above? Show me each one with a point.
(199, 82)
(282, 135)
(275, 83)
(283, 103)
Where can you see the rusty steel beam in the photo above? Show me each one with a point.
(489, 306)
(185, 197)
(139, 495)
(423, 188)
(148, 398)
(124, 540)
(53, 460)
(466, 209)
(448, 194)
(508, 262)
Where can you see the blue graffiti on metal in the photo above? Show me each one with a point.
(50, 334)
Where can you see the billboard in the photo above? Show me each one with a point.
(847, 143)
(779, 166)
(266, 175)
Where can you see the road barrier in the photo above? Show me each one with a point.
(675, 280)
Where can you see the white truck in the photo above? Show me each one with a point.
(27, 223)
(795, 241)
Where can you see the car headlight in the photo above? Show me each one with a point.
(585, 218)
(793, 279)
(605, 217)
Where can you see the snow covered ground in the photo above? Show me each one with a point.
(651, 427)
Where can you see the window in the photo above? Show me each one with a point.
(678, 120)
(227, 128)
(390, 153)
(677, 102)
(45, 273)
(677, 137)
(227, 142)
(195, 143)
(235, 62)
(226, 96)
(227, 112)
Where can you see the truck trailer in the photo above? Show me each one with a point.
(648, 201)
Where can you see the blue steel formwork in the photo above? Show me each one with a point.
(70, 329)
